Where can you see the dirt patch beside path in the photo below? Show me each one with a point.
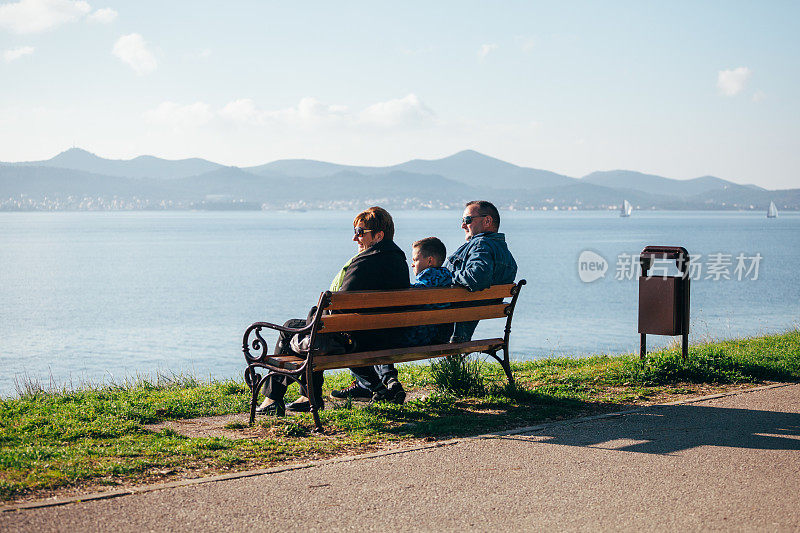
(236, 427)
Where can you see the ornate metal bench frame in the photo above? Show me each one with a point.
(350, 311)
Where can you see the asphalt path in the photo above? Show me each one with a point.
(726, 463)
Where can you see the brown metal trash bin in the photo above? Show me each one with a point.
(664, 300)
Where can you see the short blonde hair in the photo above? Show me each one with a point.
(376, 219)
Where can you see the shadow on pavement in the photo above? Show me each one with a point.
(668, 429)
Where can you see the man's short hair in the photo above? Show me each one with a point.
(432, 247)
(376, 219)
(487, 208)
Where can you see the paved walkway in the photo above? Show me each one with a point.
(728, 463)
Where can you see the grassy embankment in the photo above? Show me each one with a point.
(50, 441)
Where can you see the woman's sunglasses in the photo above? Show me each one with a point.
(359, 232)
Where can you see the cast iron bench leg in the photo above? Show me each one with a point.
(507, 365)
(313, 400)
(252, 377)
(256, 384)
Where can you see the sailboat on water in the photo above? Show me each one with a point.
(772, 212)
(626, 209)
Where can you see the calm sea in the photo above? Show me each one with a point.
(104, 296)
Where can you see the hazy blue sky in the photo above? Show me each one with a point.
(680, 89)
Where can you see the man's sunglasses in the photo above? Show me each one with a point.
(359, 232)
(468, 219)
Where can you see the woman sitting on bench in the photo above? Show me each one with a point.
(379, 265)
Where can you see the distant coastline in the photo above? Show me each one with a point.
(99, 204)
(77, 180)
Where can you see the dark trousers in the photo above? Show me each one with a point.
(462, 331)
(276, 385)
(373, 377)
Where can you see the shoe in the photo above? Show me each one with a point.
(394, 395)
(275, 408)
(354, 391)
(397, 391)
(303, 406)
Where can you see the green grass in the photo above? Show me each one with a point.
(461, 375)
(55, 439)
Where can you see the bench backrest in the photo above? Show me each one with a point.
(365, 310)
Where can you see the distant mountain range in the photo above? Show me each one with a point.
(77, 179)
(144, 166)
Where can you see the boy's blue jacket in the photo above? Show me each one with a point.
(482, 261)
(433, 277)
(422, 335)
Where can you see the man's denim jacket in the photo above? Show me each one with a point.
(482, 261)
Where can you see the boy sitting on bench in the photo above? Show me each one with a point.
(427, 256)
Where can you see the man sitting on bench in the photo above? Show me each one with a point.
(484, 260)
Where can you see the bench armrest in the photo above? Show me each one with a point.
(259, 345)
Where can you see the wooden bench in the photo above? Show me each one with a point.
(368, 310)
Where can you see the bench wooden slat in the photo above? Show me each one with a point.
(365, 321)
(395, 355)
(287, 362)
(371, 299)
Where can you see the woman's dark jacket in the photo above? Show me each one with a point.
(382, 266)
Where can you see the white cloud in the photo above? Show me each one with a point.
(180, 116)
(133, 50)
(731, 82)
(313, 109)
(16, 53)
(33, 16)
(485, 50)
(103, 16)
(310, 112)
(242, 111)
(401, 111)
